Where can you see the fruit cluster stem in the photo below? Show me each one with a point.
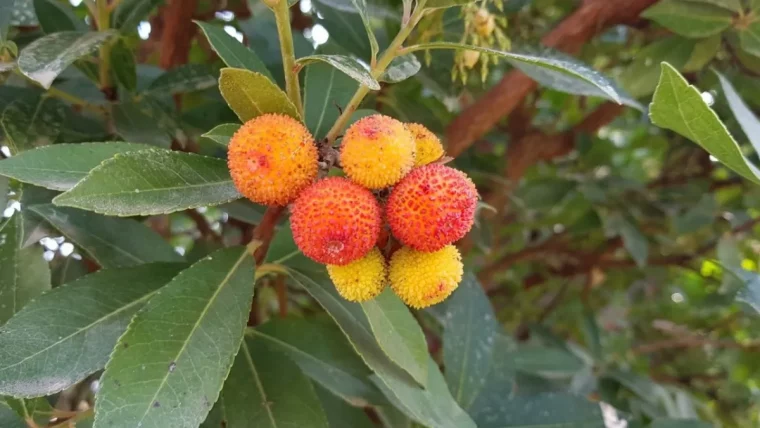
(292, 86)
(376, 71)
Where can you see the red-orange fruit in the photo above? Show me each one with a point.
(432, 207)
(335, 221)
(272, 158)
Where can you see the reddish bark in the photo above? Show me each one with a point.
(178, 32)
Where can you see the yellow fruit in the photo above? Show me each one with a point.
(470, 58)
(362, 279)
(485, 23)
(272, 158)
(429, 148)
(423, 279)
(377, 151)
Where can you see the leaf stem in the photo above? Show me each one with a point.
(292, 86)
(377, 71)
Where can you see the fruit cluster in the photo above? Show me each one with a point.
(393, 183)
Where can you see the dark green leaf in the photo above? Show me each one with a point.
(679, 107)
(750, 292)
(152, 182)
(499, 384)
(250, 94)
(61, 166)
(341, 415)
(265, 389)
(749, 38)
(9, 418)
(361, 6)
(68, 270)
(28, 124)
(24, 274)
(179, 348)
(54, 16)
(23, 14)
(398, 334)
(40, 355)
(112, 242)
(546, 410)
(129, 13)
(323, 353)
(688, 18)
(633, 240)
(185, 78)
(221, 134)
(6, 12)
(45, 58)
(348, 26)
(348, 65)
(326, 93)
(401, 68)
(546, 361)
(35, 411)
(34, 226)
(144, 121)
(640, 79)
(679, 423)
(747, 120)
(231, 51)
(124, 66)
(469, 331)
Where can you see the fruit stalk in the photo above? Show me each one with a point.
(292, 86)
(377, 71)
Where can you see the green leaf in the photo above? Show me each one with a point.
(633, 240)
(45, 58)
(557, 72)
(250, 94)
(499, 384)
(398, 334)
(326, 93)
(152, 182)
(341, 415)
(55, 17)
(688, 18)
(35, 411)
(432, 406)
(679, 423)
(185, 78)
(444, 4)
(9, 418)
(348, 65)
(28, 124)
(747, 120)
(34, 227)
(401, 68)
(39, 355)
(546, 361)
(750, 292)
(324, 354)
(4, 189)
(361, 6)
(24, 274)
(222, 134)
(733, 5)
(340, 20)
(129, 13)
(704, 51)
(749, 38)
(265, 389)
(23, 14)
(144, 121)
(469, 331)
(556, 410)
(231, 51)
(679, 107)
(112, 242)
(179, 348)
(61, 166)
(6, 12)
(123, 65)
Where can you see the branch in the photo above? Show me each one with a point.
(264, 231)
(178, 32)
(590, 19)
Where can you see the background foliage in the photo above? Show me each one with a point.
(611, 277)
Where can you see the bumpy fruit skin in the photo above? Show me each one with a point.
(335, 221)
(362, 279)
(377, 151)
(272, 158)
(432, 207)
(428, 147)
(423, 279)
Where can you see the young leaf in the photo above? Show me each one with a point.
(250, 94)
(265, 389)
(112, 242)
(747, 120)
(61, 166)
(398, 334)
(178, 349)
(469, 331)
(45, 58)
(557, 72)
(324, 354)
(679, 107)
(348, 65)
(231, 51)
(40, 355)
(55, 17)
(152, 182)
(185, 78)
(401, 68)
(24, 274)
(129, 13)
(222, 134)
(123, 65)
(340, 19)
(326, 92)
(688, 18)
(23, 14)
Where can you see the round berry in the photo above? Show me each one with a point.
(423, 279)
(362, 279)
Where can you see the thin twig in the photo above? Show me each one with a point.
(202, 225)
